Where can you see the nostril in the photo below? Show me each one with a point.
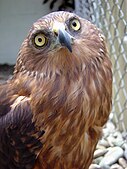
(72, 39)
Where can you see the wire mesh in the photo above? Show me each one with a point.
(111, 17)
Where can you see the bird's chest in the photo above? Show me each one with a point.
(66, 147)
(63, 144)
(64, 118)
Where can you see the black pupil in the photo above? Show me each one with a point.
(39, 40)
(74, 24)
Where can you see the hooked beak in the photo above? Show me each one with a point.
(64, 38)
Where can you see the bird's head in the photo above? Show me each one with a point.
(59, 41)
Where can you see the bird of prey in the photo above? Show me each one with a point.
(53, 109)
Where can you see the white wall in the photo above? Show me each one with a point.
(16, 18)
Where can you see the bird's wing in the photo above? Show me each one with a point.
(19, 139)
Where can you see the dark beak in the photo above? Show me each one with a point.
(65, 39)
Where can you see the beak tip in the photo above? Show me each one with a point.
(70, 49)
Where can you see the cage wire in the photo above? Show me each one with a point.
(111, 18)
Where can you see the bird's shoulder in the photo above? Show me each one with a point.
(18, 133)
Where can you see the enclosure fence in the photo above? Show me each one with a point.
(111, 17)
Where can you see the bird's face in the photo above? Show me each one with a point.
(55, 31)
(59, 39)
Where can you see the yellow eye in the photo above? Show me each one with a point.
(75, 24)
(40, 40)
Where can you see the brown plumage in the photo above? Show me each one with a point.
(63, 73)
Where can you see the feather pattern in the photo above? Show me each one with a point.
(19, 139)
(69, 94)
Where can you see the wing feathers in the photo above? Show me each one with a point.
(19, 139)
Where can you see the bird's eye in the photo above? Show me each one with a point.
(40, 40)
(75, 24)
